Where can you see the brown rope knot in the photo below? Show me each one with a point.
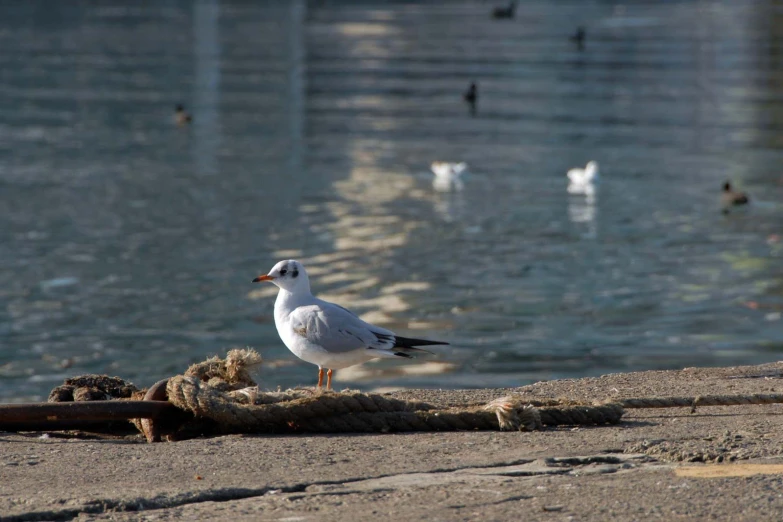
(233, 373)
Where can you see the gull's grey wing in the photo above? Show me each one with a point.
(336, 329)
(384, 336)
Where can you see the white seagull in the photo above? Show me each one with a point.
(326, 334)
(445, 170)
(448, 176)
(582, 180)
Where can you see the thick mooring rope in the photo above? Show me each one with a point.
(365, 412)
(702, 400)
(222, 398)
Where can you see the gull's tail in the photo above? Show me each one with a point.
(404, 346)
(406, 342)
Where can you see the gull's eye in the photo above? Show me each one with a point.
(283, 272)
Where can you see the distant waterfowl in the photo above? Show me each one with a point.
(471, 95)
(579, 37)
(181, 117)
(448, 176)
(446, 170)
(582, 181)
(731, 197)
(505, 12)
(585, 176)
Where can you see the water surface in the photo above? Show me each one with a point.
(128, 243)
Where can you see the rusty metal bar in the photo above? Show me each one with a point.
(74, 415)
(67, 425)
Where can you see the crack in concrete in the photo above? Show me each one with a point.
(138, 504)
(513, 498)
(516, 468)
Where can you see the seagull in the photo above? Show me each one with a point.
(443, 169)
(730, 197)
(583, 177)
(505, 12)
(448, 175)
(181, 117)
(326, 334)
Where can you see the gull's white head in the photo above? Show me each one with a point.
(288, 275)
(591, 169)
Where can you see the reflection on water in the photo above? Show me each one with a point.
(129, 243)
(448, 184)
(583, 211)
(450, 205)
(206, 50)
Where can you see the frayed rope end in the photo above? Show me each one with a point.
(513, 415)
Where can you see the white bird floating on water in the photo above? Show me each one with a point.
(589, 174)
(443, 169)
(582, 181)
(448, 176)
(327, 334)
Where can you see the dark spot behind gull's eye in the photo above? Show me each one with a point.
(295, 272)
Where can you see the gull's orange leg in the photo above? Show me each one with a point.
(320, 377)
(329, 379)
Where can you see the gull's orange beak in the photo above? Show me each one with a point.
(262, 278)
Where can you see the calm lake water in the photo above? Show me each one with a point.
(128, 244)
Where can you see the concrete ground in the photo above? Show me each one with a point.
(720, 463)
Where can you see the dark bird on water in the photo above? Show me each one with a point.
(181, 117)
(505, 12)
(579, 37)
(731, 197)
(471, 95)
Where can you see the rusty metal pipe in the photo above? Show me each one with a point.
(57, 415)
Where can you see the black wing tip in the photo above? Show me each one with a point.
(407, 342)
(432, 343)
